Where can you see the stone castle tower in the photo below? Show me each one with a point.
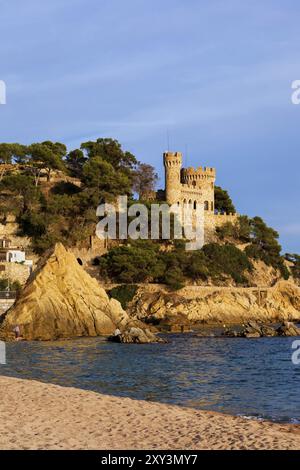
(194, 186)
(188, 185)
(172, 164)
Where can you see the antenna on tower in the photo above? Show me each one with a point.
(186, 155)
(168, 140)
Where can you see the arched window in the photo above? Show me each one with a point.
(190, 203)
(206, 206)
(195, 205)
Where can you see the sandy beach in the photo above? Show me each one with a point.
(35, 415)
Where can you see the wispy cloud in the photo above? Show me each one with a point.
(217, 74)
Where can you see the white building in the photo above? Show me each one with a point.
(11, 254)
(17, 256)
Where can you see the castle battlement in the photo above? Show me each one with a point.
(189, 175)
(226, 214)
(173, 159)
(199, 171)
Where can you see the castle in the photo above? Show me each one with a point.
(193, 186)
(187, 185)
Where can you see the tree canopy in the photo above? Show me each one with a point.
(223, 202)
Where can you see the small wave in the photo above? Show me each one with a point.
(271, 418)
(254, 418)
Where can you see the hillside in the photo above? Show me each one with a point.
(52, 195)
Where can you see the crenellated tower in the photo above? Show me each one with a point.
(194, 187)
(172, 164)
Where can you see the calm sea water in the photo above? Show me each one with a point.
(249, 377)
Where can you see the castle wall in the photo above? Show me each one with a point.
(10, 230)
(204, 195)
(15, 272)
(212, 221)
(5, 304)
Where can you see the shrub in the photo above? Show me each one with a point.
(227, 259)
(223, 202)
(135, 263)
(295, 259)
(265, 246)
(124, 294)
(14, 285)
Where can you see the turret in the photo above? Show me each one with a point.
(172, 164)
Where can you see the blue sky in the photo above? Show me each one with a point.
(215, 75)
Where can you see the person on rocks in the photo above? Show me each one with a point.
(17, 333)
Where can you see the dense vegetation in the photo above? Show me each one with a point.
(144, 261)
(262, 241)
(223, 202)
(295, 267)
(12, 285)
(54, 195)
(65, 211)
(124, 294)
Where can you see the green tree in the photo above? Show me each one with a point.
(75, 161)
(135, 263)
(124, 294)
(228, 260)
(295, 268)
(111, 151)
(47, 156)
(9, 154)
(265, 246)
(239, 231)
(144, 179)
(223, 202)
(23, 187)
(102, 178)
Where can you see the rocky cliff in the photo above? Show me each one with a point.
(196, 304)
(61, 300)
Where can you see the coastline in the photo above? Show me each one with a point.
(36, 415)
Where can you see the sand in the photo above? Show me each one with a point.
(35, 415)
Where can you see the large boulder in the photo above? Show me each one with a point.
(255, 330)
(288, 329)
(62, 300)
(135, 335)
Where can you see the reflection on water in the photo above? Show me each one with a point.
(253, 377)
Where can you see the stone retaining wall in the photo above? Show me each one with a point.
(5, 304)
(15, 272)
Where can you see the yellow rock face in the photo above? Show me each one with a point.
(220, 304)
(62, 300)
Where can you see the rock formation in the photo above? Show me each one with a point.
(288, 329)
(255, 330)
(218, 305)
(61, 300)
(136, 335)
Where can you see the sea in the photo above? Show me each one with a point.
(253, 378)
